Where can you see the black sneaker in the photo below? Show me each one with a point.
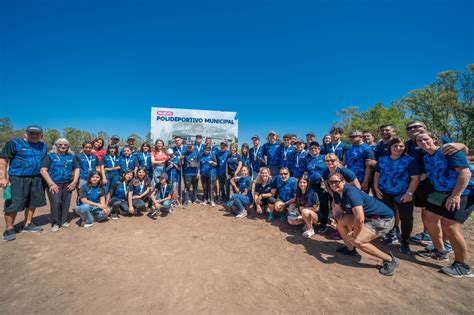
(114, 216)
(405, 248)
(154, 214)
(346, 251)
(389, 267)
(435, 254)
(9, 235)
(32, 228)
(458, 270)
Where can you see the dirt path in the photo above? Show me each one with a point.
(199, 261)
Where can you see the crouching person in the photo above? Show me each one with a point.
(161, 197)
(138, 195)
(284, 191)
(91, 204)
(360, 219)
(305, 210)
(238, 203)
(117, 198)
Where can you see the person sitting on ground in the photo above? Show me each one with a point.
(117, 197)
(138, 195)
(305, 210)
(239, 201)
(91, 204)
(161, 197)
(360, 219)
(284, 190)
(262, 195)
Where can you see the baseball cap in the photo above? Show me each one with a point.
(310, 134)
(115, 137)
(131, 138)
(272, 132)
(255, 137)
(299, 141)
(34, 129)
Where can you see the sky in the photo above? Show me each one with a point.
(286, 66)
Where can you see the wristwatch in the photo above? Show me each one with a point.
(409, 193)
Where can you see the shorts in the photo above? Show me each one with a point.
(380, 226)
(460, 216)
(421, 193)
(27, 192)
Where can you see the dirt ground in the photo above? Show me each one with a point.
(199, 261)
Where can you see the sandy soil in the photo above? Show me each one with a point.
(199, 261)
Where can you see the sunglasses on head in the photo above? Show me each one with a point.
(334, 182)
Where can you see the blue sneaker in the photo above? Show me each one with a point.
(435, 254)
(447, 247)
(270, 217)
(32, 228)
(421, 237)
(405, 248)
(9, 235)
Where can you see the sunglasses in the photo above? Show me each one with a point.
(330, 161)
(62, 145)
(334, 182)
(355, 136)
(414, 127)
(284, 173)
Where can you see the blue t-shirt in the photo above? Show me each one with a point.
(191, 158)
(174, 173)
(163, 192)
(381, 149)
(440, 169)
(288, 157)
(338, 149)
(179, 151)
(286, 190)
(354, 197)
(416, 152)
(309, 200)
(233, 162)
(87, 163)
(395, 174)
(138, 187)
(110, 161)
(272, 154)
(246, 162)
(134, 152)
(60, 166)
(144, 159)
(245, 183)
(128, 163)
(90, 193)
(356, 157)
(25, 157)
(205, 167)
(222, 162)
(315, 168)
(257, 160)
(348, 175)
(120, 190)
(301, 163)
(199, 148)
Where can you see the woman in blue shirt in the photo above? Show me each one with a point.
(88, 163)
(395, 180)
(138, 194)
(262, 194)
(161, 197)
(60, 170)
(450, 204)
(144, 159)
(245, 155)
(110, 166)
(233, 164)
(306, 208)
(360, 219)
(117, 197)
(239, 201)
(128, 162)
(91, 205)
(207, 170)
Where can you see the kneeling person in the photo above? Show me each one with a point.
(285, 191)
(117, 197)
(161, 197)
(243, 199)
(305, 210)
(91, 204)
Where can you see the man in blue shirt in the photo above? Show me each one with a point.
(191, 173)
(23, 158)
(198, 145)
(270, 150)
(284, 190)
(337, 146)
(221, 173)
(257, 159)
(357, 158)
(387, 132)
(287, 154)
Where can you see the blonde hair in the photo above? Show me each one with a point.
(54, 149)
(259, 178)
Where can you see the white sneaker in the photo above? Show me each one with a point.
(88, 225)
(213, 204)
(242, 214)
(204, 203)
(308, 233)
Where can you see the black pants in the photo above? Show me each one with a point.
(405, 211)
(190, 181)
(119, 206)
(59, 203)
(323, 197)
(208, 185)
(224, 188)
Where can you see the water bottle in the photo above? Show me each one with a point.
(7, 192)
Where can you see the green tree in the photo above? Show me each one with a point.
(50, 136)
(148, 138)
(75, 137)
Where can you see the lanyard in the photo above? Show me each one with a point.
(199, 147)
(144, 158)
(179, 151)
(285, 151)
(337, 146)
(89, 161)
(64, 164)
(127, 161)
(142, 184)
(125, 188)
(298, 157)
(163, 191)
(256, 151)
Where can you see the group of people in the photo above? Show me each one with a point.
(364, 190)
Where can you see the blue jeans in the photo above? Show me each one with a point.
(166, 205)
(111, 180)
(238, 201)
(157, 171)
(88, 213)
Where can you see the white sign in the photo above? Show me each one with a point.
(166, 123)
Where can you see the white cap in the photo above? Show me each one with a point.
(169, 151)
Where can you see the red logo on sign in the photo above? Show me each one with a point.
(164, 113)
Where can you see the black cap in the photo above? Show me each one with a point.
(310, 134)
(314, 143)
(34, 129)
(224, 143)
(198, 136)
(131, 138)
(255, 137)
(115, 137)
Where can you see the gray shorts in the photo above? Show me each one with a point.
(380, 226)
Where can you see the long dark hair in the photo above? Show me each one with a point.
(300, 194)
(113, 146)
(89, 186)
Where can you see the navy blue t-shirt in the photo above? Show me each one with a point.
(119, 190)
(265, 189)
(163, 192)
(315, 168)
(338, 149)
(87, 163)
(309, 200)
(233, 162)
(206, 168)
(288, 157)
(25, 157)
(257, 160)
(128, 163)
(221, 162)
(353, 197)
(109, 161)
(301, 163)
(271, 151)
(60, 166)
(245, 183)
(90, 193)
